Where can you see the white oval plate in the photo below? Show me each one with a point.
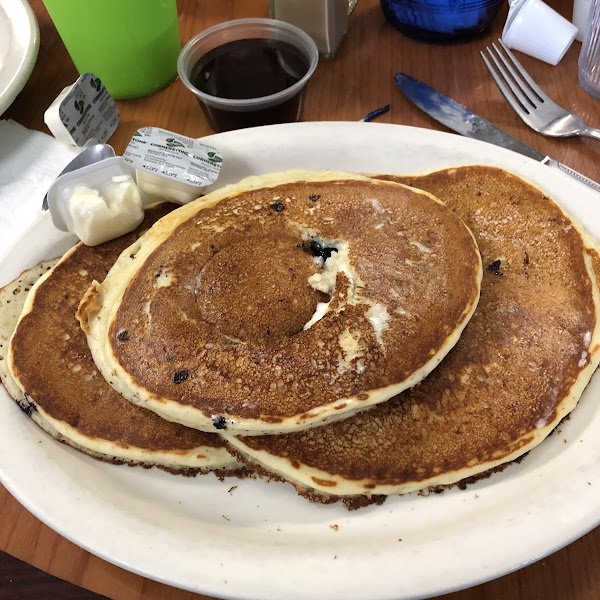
(19, 45)
(260, 540)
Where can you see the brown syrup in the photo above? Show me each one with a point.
(250, 68)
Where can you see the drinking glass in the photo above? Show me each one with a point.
(131, 45)
(589, 58)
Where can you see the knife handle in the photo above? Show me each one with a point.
(554, 163)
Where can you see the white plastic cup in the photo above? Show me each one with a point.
(532, 27)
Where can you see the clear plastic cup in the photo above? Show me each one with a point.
(249, 72)
(532, 27)
(589, 58)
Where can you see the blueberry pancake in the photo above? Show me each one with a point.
(54, 379)
(284, 302)
(520, 366)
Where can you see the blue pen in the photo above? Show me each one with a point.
(376, 113)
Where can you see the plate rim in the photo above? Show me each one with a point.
(21, 75)
(528, 167)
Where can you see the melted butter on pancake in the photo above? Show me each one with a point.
(243, 293)
(421, 247)
(163, 279)
(250, 288)
(379, 317)
(320, 311)
(338, 262)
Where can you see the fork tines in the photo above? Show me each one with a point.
(516, 85)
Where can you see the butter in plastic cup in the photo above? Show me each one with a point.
(97, 203)
(170, 166)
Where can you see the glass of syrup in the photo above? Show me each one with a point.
(249, 72)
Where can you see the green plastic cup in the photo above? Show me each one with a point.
(131, 45)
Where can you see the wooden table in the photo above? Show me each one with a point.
(357, 81)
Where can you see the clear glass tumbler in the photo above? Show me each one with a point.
(589, 59)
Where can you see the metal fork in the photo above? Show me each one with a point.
(528, 100)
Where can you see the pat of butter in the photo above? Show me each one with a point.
(97, 216)
(97, 203)
(170, 166)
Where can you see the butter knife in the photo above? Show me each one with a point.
(460, 119)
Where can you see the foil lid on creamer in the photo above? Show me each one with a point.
(83, 112)
(170, 166)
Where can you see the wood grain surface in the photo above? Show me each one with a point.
(21, 581)
(356, 81)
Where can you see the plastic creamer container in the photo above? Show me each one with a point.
(97, 203)
(82, 112)
(169, 166)
(106, 199)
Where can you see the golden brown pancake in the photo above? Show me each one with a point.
(59, 386)
(12, 299)
(519, 367)
(284, 302)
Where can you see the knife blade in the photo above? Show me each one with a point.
(460, 119)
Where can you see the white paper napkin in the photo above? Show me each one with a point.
(29, 163)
